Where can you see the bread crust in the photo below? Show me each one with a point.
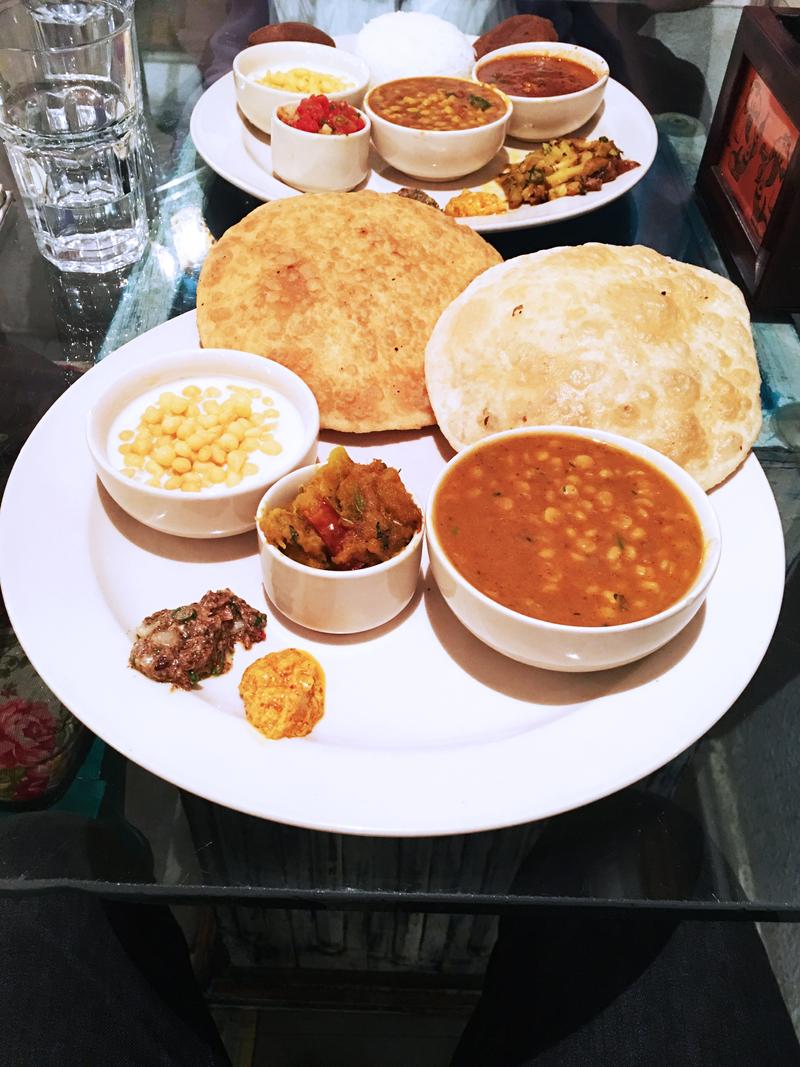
(344, 289)
(617, 338)
(519, 29)
(290, 31)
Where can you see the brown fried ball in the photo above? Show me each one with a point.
(284, 693)
(290, 31)
(519, 29)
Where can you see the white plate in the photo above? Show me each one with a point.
(426, 730)
(242, 155)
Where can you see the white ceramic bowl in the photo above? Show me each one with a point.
(554, 646)
(318, 162)
(538, 118)
(334, 602)
(258, 102)
(436, 155)
(216, 511)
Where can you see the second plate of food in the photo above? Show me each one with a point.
(242, 154)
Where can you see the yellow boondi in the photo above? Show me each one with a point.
(302, 80)
(200, 439)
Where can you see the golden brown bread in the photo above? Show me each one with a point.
(344, 289)
(290, 31)
(620, 339)
(518, 29)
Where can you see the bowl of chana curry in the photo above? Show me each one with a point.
(571, 549)
(340, 544)
(437, 128)
(188, 443)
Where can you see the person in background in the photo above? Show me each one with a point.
(471, 16)
(87, 982)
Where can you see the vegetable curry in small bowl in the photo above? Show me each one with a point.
(340, 545)
(347, 516)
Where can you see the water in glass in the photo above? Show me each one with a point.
(71, 122)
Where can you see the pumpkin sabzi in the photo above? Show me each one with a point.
(347, 516)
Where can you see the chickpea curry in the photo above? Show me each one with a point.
(569, 530)
(349, 515)
(437, 103)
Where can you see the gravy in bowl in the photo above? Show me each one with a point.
(569, 530)
(531, 74)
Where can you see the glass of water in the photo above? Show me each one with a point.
(70, 102)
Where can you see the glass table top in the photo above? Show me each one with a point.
(712, 833)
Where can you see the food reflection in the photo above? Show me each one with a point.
(284, 693)
(569, 530)
(348, 516)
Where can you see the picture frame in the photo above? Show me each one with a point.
(749, 176)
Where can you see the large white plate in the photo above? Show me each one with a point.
(426, 730)
(242, 155)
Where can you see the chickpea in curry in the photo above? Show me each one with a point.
(434, 103)
(569, 530)
(348, 516)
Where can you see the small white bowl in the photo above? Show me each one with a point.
(216, 511)
(318, 162)
(334, 602)
(555, 646)
(258, 102)
(538, 118)
(437, 155)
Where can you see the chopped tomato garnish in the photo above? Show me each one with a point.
(328, 524)
(318, 114)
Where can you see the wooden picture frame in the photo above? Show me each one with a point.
(749, 176)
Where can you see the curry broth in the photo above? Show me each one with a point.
(569, 530)
(437, 103)
(529, 74)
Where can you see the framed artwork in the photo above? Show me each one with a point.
(749, 177)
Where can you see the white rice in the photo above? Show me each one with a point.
(405, 44)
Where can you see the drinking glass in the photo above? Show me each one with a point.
(70, 100)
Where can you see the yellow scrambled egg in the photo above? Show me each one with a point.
(284, 693)
(475, 202)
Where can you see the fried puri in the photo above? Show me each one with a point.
(290, 31)
(604, 336)
(343, 289)
(519, 29)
